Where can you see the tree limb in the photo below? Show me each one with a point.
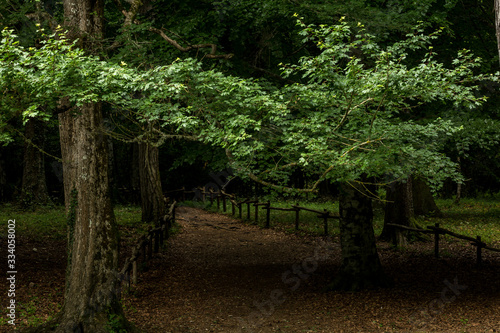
(174, 43)
(256, 179)
(130, 16)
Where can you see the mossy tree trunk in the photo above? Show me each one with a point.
(361, 267)
(92, 293)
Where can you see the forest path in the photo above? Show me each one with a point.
(214, 273)
(222, 275)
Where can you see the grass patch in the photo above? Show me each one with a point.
(50, 221)
(472, 217)
(42, 222)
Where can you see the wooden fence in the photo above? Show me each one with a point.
(147, 245)
(437, 230)
(224, 199)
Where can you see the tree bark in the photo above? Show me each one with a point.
(361, 267)
(92, 293)
(34, 186)
(153, 206)
(497, 24)
(398, 210)
(423, 201)
(405, 200)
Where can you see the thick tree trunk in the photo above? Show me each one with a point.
(92, 285)
(34, 186)
(361, 267)
(92, 294)
(153, 206)
(135, 179)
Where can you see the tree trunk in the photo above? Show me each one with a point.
(153, 206)
(423, 201)
(135, 179)
(34, 186)
(398, 210)
(405, 200)
(92, 294)
(361, 267)
(497, 24)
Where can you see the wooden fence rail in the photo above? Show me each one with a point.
(222, 198)
(148, 244)
(437, 230)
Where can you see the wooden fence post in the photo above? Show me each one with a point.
(297, 213)
(256, 205)
(127, 279)
(163, 226)
(144, 258)
(183, 193)
(150, 246)
(436, 241)
(248, 211)
(239, 210)
(325, 221)
(157, 241)
(218, 202)
(233, 211)
(268, 214)
(134, 272)
(478, 251)
(223, 202)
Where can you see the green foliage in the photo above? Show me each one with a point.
(348, 118)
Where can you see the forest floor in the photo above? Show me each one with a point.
(219, 274)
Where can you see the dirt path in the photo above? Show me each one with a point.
(221, 275)
(218, 269)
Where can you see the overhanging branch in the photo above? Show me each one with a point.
(256, 179)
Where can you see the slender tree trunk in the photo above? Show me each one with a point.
(361, 267)
(34, 186)
(135, 179)
(497, 24)
(153, 206)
